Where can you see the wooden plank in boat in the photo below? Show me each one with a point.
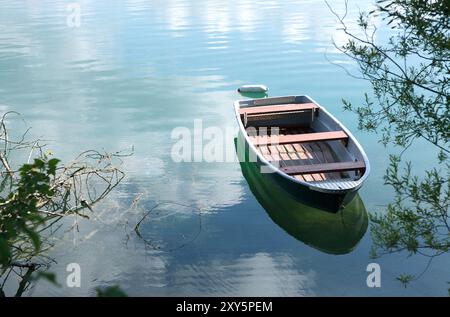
(274, 153)
(281, 149)
(276, 100)
(299, 177)
(320, 157)
(297, 160)
(264, 149)
(289, 148)
(273, 148)
(285, 157)
(328, 158)
(314, 160)
(308, 177)
(275, 156)
(323, 153)
(298, 138)
(324, 168)
(278, 108)
(300, 151)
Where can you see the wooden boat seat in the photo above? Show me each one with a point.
(299, 138)
(324, 168)
(278, 108)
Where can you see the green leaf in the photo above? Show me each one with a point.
(35, 239)
(48, 276)
(4, 182)
(111, 291)
(52, 166)
(5, 252)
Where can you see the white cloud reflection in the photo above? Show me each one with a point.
(259, 274)
(178, 15)
(295, 27)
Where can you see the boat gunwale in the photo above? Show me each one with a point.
(359, 182)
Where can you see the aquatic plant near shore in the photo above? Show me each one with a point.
(37, 194)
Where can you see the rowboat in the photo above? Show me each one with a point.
(303, 148)
(344, 229)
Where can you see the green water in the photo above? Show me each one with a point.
(135, 70)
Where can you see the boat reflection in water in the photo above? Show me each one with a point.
(334, 233)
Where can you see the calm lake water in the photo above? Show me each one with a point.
(135, 70)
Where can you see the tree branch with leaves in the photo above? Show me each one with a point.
(409, 76)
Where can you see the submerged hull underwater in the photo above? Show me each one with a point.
(333, 233)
